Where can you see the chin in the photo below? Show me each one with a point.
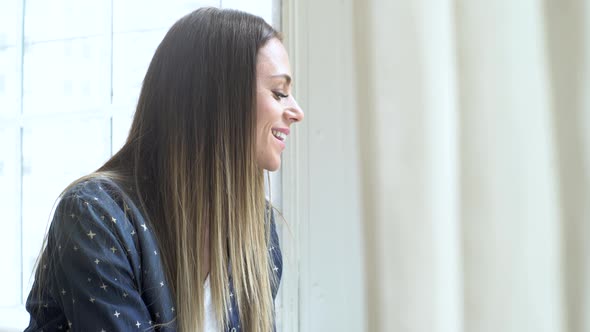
(272, 165)
(273, 168)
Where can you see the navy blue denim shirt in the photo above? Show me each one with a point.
(106, 274)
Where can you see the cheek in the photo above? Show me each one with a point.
(265, 115)
(262, 124)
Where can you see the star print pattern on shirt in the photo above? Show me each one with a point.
(105, 273)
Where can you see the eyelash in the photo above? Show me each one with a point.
(279, 95)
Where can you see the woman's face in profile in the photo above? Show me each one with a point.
(276, 108)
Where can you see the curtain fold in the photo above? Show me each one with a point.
(478, 123)
(567, 33)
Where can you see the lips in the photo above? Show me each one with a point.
(280, 134)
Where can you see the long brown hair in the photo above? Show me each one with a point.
(190, 156)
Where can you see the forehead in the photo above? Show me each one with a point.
(273, 59)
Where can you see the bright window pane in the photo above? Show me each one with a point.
(68, 75)
(121, 124)
(262, 8)
(155, 14)
(9, 205)
(54, 154)
(64, 19)
(9, 81)
(9, 13)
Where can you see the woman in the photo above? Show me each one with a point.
(174, 232)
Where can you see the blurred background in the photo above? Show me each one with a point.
(439, 182)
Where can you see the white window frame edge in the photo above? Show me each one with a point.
(295, 176)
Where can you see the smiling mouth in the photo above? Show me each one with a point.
(279, 135)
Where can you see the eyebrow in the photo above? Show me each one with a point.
(284, 76)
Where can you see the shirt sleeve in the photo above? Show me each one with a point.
(92, 271)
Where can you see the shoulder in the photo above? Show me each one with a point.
(92, 265)
(93, 206)
(94, 195)
(96, 191)
(93, 225)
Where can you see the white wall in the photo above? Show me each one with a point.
(322, 173)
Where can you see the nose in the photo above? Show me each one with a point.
(294, 113)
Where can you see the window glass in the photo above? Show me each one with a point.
(9, 22)
(122, 117)
(53, 20)
(155, 14)
(262, 8)
(9, 88)
(54, 154)
(9, 13)
(9, 205)
(66, 76)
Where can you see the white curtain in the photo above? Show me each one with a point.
(474, 122)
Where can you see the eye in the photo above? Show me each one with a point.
(278, 95)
